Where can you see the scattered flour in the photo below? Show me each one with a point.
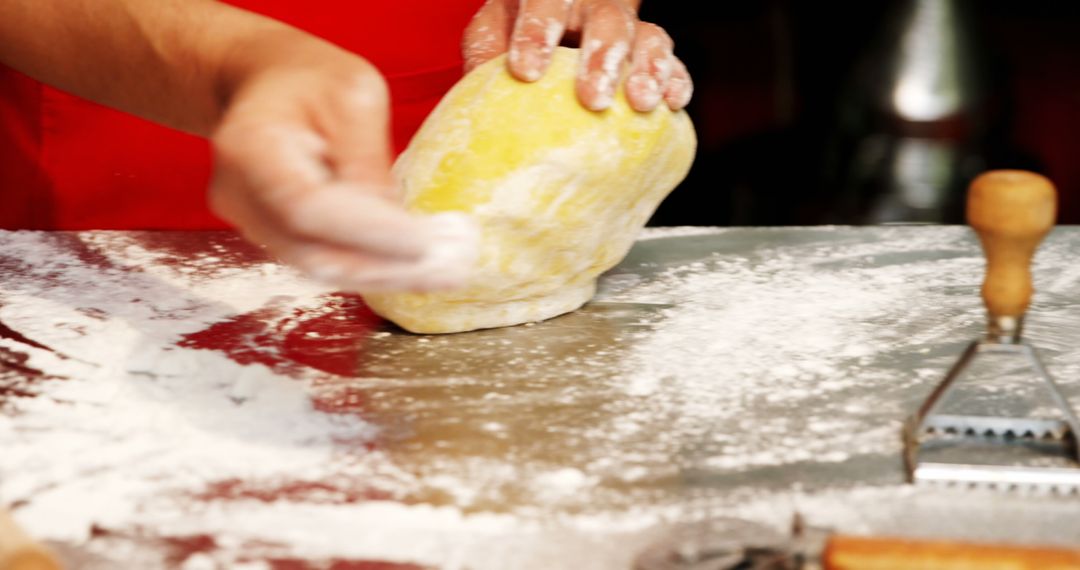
(765, 375)
(147, 416)
(765, 359)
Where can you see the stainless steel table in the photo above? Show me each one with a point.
(177, 400)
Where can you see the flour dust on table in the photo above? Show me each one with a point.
(178, 401)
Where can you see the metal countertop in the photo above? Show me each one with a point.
(748, 372)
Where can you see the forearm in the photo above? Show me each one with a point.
(176, 62)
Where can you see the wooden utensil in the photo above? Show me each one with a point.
(1011, 211)
(18, 551)
(869, 553)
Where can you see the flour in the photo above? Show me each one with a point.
(753, 375)
(131, 391)
(780, 337)
(153, 423)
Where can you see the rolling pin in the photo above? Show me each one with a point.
(18, 551)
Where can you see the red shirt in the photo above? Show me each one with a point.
(66, 163)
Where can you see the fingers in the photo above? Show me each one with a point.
(655, 73)
(652, 62)
(350, 215)
(269, 156)
(488, 33)
(680, 88)
(273, 183)
(608, 30)
(446, 264)
(611, 33)
(284, 170)
(539, 27)
(315, 162)
(355, 119)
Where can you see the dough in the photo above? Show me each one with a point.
(559, 192)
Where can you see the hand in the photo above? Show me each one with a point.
(610, 33)
(302, 166)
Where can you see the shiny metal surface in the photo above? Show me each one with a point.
(1005, 329)
(1023, 469)
(1062, 480)
(745, 373)
(918, 113)
(931, 68)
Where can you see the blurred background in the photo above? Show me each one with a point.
(857, 112)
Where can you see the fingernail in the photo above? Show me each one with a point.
(682, 91)
(646, 90)
(528, 62)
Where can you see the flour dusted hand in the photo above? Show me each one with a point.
(559, 192)
(610, 33)
(302, 167)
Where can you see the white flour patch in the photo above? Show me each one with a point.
(761, 358)
(150, 416)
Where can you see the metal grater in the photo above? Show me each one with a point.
(1059, 434)
(1011, 211)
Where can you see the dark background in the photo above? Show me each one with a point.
(785, 114)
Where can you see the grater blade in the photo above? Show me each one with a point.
(1021, 479)
(1053, 456)
(947, 425)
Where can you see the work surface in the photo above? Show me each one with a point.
(176, 400)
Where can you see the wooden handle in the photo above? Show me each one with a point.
(857, 553)
(1011, 210)
(18, 551)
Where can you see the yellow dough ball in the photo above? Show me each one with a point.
(560, 192)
